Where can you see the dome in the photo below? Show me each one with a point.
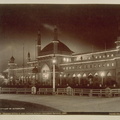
(61, 48)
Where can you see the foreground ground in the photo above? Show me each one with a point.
(68, 104)
(13, 107)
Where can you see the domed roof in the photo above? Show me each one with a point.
(61, 48)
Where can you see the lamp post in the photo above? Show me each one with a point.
(54, 61)
(34, 79)
(79, 75)
(102, 75)
(11, 80)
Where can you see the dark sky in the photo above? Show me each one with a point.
(80, 27)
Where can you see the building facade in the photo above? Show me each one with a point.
(95, 69)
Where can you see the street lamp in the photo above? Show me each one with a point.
(54, 62)
(102, 75)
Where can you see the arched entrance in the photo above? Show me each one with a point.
(45, 75)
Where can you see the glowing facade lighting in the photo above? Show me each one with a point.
(65, 75)
(79, 75)
(74, 75)
(60, 75)
(84, 75)
(54, 61)
(102, 74)
(33, 76)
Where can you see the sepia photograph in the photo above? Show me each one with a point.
(60, 59)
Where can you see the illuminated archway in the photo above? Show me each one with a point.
(45, 74)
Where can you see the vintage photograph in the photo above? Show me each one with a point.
(60, 59)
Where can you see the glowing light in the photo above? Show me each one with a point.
(64, 59)
(64, 75)
(33, 76)
(79, 75)
(74, 75)
(90, 74)
(109, 74)
(84, 75)
(54, 61)
(102, 74)
(60, 75)
(96, 74)
(112, 64)
(67, 59)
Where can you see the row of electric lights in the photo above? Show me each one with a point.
(78, 58)
(90, 67)
(67, 59)
(84, 75)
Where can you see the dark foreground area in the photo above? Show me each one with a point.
(13, 107)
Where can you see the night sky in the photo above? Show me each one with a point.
(80, 27)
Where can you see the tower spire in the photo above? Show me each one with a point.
(28, 56)
(39, 38)
(38, 43)
(55, 34)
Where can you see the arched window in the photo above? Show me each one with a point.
(109, 74)
(112, 55)
(90, 73)
(103, 56)
(69, 67)
(79, 75)
(96, 74)
(108, 64)
(45, 72)
(112, 64)
(60, 75)
(108, 55)
(84, 75)
(74, 75)
(64, 75)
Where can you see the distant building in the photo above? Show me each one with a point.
(85, 69)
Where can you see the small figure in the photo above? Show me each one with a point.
(69, 90)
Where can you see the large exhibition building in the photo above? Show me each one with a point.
(58, 62)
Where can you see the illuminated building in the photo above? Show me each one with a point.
(85, 69)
